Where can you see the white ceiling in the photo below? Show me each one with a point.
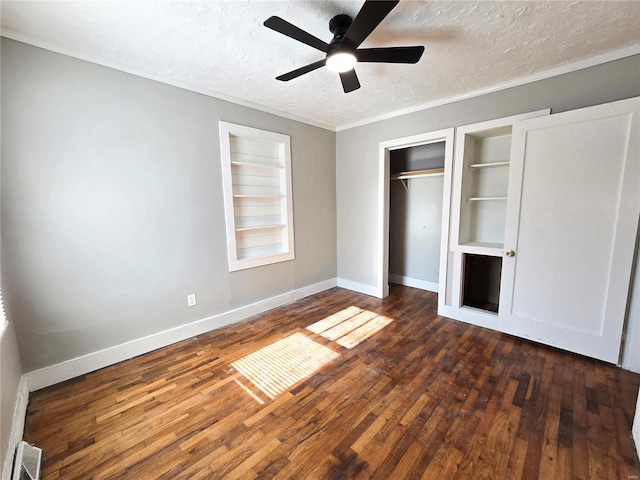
(222, 48)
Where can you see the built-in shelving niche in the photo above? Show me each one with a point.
(480, 191)
(256, 167)
(485, 180)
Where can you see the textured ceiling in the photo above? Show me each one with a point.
(221, 47)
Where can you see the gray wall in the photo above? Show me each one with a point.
(357, 148)
(113, 211)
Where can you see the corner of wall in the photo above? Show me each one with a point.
(359, 287)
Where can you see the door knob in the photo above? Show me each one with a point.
(510, 253)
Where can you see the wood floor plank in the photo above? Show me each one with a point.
(422, 397)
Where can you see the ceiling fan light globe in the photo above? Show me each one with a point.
(341, 62)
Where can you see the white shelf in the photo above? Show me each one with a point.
(484, 245)
(260, 253)
(256, 153)
(261, 227)
(486, 199)
(490, 249)
(258, 165)
(258, 196)
(489, 164)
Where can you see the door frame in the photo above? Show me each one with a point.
(384, 150)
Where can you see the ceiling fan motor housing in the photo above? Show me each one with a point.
(341, 55)
(339, 25)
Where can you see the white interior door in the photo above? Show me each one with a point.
(572, 220)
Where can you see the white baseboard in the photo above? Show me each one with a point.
(359, 287)
(17, 426)
(630, 355)
(74, 367)
(314, 288)
(413, 282)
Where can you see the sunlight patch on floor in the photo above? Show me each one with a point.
(276, 367)
(350, 327)
(255, 397)
(360, 334)
(333, 320)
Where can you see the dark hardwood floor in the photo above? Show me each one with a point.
(372, 389)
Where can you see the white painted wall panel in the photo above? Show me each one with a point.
(559, 191)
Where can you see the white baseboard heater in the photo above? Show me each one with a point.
(27, 462)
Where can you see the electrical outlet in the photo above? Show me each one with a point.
(191, 300)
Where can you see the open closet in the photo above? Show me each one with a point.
(415, 215)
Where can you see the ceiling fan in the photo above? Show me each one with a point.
(342, 53)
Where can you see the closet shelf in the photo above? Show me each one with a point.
(489, 164)
(430, 172)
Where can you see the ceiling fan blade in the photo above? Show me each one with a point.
(301, 71)
(349, 81)
(290, 30)
(368, 18)
(390, 54)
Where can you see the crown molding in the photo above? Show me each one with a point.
(167, 79)
(158, 77)
(568, 68)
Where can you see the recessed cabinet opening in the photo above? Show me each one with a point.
(481, 282)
